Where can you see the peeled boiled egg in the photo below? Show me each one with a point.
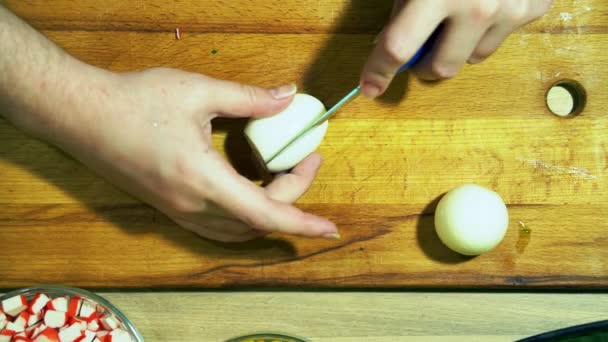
(471, 219)
(268, 135)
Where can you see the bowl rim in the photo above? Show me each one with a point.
(78, 291)
(273, 335)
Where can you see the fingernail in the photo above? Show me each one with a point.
(333, 236)
(370, 90)
(285, 91)
(474, 60)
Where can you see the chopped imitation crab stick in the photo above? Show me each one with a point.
(109, 323)
(81, 323)
(3, 320)
(74, 306)
(88, 311)
(34, 319)
(38, 303)
(55, 319)
(22, 319)
(58, 304)
(29, 331)
(118, 335)
(14, 328)
(40, 328)
(89, 336)
(14, 305)
(48, 335)
(93, 326)
(6, 336)
(103, 335)
(21, 339)
(71, 334)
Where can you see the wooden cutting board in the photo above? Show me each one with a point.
(386, 162)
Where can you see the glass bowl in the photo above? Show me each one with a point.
(58, 291)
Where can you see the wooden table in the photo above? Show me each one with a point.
(356, 316)
(488, 126)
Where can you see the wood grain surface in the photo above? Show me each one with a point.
(275, 16)
(356, 317)
(386, 161)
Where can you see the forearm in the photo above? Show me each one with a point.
(42, 87)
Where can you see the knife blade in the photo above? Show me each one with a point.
(426, 47)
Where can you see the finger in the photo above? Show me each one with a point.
(287, 188)
(538, 8)
(213, 233)
(227, 225)
(213, 210)
(454, 46)
(251, 204)
(231, 99)
(489, 43)
(403, 36)
(517, 14)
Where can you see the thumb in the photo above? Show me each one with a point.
(251, 204)
(231, 99)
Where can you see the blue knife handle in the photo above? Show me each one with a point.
(424, 49)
